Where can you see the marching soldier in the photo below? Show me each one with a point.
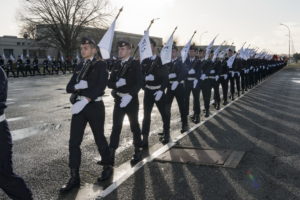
(224, 80)
(9, 68)
(46, 67)
(156, 81)
(126, 81)
(20, 66)
(192, 83)
(27, 67)
(234, 75)
(13, 185)
(208, 77)
(35, 65)
(217, 70)
(177, 75)
(87, 86)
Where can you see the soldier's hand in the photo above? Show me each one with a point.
(192, 71)
(150, 77)
(79, 106)
(158, 94)
(125, 100)
(121, 82)
(174, 85)
(81, 85)
(195, 83)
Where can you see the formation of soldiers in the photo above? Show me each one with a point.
(31, 67)
(126, 76)
(200, 72)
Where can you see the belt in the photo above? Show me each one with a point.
(212, 77)
(191, 79)
(224, 75)
(82, 97)
(153, 87)
(120, 94)
(2, 118)
(174, 81)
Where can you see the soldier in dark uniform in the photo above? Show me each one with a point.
(87, 86)
(234, 76)
(35, 65)
(28, 67)
(224, 80)
(177, 74)
(208, 81)
(46, 66)
(20, 67)
(217, 70)
(155, 83)
(9, 68)
(126, 81)
(54, 65)
(74, 65)
(13, 185)
(192, 83)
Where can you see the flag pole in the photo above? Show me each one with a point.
(120, 10)
(151, 22)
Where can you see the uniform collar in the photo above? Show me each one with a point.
(125, 60)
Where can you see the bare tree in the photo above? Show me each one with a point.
(62, 22)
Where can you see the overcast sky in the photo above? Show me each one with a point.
(253, 21)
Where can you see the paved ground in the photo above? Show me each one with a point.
(264, 123)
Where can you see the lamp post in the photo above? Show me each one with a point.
(289, 38)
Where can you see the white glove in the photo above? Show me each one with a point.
(158, 94)
(174, 85)
(192, 71)
(81, 85)
(173, 75)
(225, 76)
(195, 83)
(150, 77)
(203, 76)
(121, 82)
(125, 100)
(212, 71)
(79, 106)
(217, 78)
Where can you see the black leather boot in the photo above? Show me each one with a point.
(165, 138)
(74, 181)
(106, 173)
(207, 113)
(218, 106)
(184, 128)
(197, 119)
(137, 156)
(112, 157)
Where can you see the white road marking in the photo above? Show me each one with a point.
(25, 105)
(15, 119)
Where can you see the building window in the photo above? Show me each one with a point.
(18, 43)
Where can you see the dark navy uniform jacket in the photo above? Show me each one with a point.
(96, 78)
(131, 72)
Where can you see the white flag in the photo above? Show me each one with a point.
(145, 47)
(209, 48)
(166, 52)
(62, 58)
(3, 56)
(22, 57)
(106, 42)
(185, 50)
(49, 58)
(230, 61)
(216, 53)
(12, 57)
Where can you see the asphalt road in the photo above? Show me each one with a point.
(264, 123)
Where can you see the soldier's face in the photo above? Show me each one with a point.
(87, 51)
(124, 52)
(192, 53)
